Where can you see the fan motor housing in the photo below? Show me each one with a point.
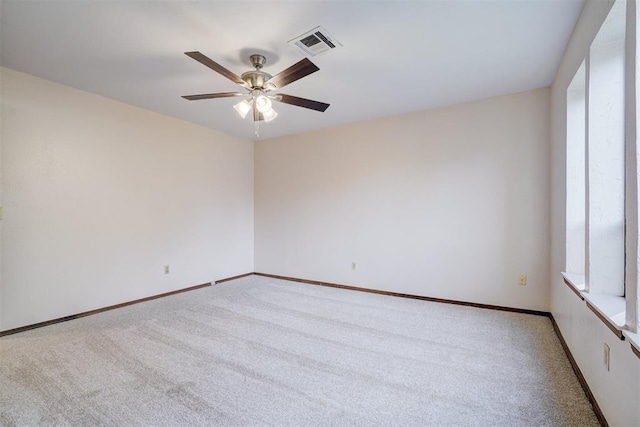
(256, 79)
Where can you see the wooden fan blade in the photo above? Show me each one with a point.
(204, 60)
(257, 115)
(295, 72)
(302, 102)
(212, 95)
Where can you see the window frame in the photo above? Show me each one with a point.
(619, 312)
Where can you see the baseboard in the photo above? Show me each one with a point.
(578, 372)
(98, 310)
(234, 277)
(401, 295)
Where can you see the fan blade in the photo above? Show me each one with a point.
(204, 60)
(212, 95)
(295, 72)
(257, 115)
(301, 102)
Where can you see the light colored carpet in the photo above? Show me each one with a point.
(259, 351)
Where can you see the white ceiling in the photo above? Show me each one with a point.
(398, 56)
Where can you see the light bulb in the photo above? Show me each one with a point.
(263, 104)
(269, 115)
(243, 108)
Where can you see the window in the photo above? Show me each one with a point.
(605, 160)
(632, 179)
(576, 180)
(602, 175)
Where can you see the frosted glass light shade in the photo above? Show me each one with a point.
(269, 115)
(263, 104)
(243, 108)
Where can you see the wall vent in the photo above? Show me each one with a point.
(315, 42)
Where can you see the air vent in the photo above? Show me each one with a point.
(315, 42)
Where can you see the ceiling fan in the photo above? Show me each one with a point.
(260, 86)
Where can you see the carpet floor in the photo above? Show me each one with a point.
(261, 351)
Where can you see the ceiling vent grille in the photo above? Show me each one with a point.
(315, 42)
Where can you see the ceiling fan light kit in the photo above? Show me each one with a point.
(258, 85)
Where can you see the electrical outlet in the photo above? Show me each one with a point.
(606, 357)
(522, 280)
(167, 270)
(354, 265)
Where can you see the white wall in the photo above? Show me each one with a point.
(618, 390)
(449, 203)
(98, 196)
(1, 186)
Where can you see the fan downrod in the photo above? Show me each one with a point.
(257, 79)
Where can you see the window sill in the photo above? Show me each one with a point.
(634, 340)
(576, 283)
(610, 309)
